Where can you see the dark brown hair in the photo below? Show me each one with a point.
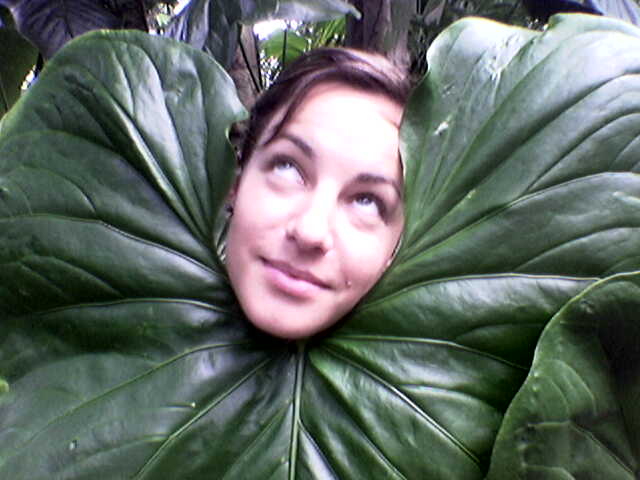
(365, 71)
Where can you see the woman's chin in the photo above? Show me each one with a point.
(290, 328)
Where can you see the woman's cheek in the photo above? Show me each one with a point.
(365, 253)
(267, 202)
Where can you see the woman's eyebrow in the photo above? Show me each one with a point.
(374, 178)
(300, 143)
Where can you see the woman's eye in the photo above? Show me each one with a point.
(286, 169)
(370, 204)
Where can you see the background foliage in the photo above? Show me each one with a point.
(401, 29)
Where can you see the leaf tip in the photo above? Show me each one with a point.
(356, 13)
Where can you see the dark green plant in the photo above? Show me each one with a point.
(49, 24)
(33, 30)
(123, 353)
(17, 58)
(212, 26)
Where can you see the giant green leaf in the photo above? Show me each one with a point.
(497, 138)
(123, 353)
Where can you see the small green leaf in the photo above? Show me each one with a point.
(295, 46)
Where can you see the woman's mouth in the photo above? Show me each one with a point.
(293, 281)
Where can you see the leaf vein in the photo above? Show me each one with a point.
(410, 403)
(316, 447)
(123, 385)
(252, 445)
(120, 232)
(215, 402)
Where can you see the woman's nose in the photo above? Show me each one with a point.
(310, 227)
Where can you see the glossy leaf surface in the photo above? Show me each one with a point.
(486, 175)
(123, 353)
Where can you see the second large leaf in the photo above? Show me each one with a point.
(123, 353)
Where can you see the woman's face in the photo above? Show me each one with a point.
(317, 211)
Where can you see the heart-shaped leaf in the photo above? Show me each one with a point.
(123, 353)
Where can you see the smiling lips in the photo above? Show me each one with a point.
(292, 281)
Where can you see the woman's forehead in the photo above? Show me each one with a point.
(339, 102)
(339, 98)
(346, 129)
